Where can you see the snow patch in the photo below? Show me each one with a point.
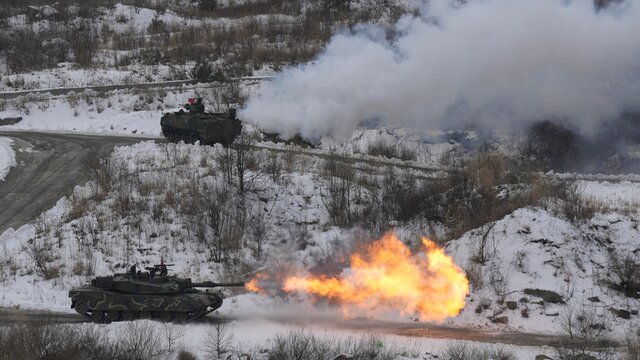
(7, 157)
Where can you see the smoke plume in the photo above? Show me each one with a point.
(493, 63)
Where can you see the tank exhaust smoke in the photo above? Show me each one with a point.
(492, 63)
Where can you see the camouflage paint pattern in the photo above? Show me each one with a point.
(100, 299)
(129, 296)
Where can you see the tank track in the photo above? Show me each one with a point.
(175, 137)
(109, 316)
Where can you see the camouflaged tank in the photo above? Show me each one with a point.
(208, 128)
(146, 295)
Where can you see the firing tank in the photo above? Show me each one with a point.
(152, 294)
(209, 128)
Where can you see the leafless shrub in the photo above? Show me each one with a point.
(464, 351)
(103, 171)
(404, 197)
(380, 147)
(139, 340)
(475, 275)
(43, 223)
(583, 330)
(216, 217)
(83, 39)
(274, 166)
(480, 255)
(632, 344)
(624, 274)
(246, 161)
(79, 207)
(383, 148)
(406, 153)
(498, 281)
(47, 340)
(243, 45)
(299, 344)
(79, 268)
(225, 161)
(337, 197)
(24, 51)
(42, 253)
(258, 233)
(575, 208)
(548, 145)
(170, 198)
(487, 188)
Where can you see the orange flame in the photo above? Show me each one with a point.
(253, 284)
(386, 276)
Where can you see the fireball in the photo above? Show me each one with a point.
(385, 276)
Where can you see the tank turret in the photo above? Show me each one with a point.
(150, 294)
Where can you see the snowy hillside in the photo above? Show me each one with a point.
(149, 208)
(530, 268)
(442, 173)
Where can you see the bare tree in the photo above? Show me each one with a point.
(337, 196)
(225, 162)
(245, 161)
(172, 335)
(84, 42)
(225, 218)
(219, 340)
(258, 231)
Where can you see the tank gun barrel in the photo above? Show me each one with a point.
(216, 284)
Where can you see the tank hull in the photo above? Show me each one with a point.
(208, 128)
(102, 305)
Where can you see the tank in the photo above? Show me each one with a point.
(208, 128)
(152, 294)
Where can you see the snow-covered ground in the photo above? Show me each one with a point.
(255, 334)
(137, 113)
(118, 112)
(533, 248)
(530, 254)
(7, 157)
(65, 76)
(530, 249)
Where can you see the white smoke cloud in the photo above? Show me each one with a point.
(495, 63)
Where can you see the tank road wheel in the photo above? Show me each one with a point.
(164, 316)
(145, 314)
(127, 315)
(113, 315)
(97, 315)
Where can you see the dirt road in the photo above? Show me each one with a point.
(48, 167)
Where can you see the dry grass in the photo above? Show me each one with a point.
(244, 45)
